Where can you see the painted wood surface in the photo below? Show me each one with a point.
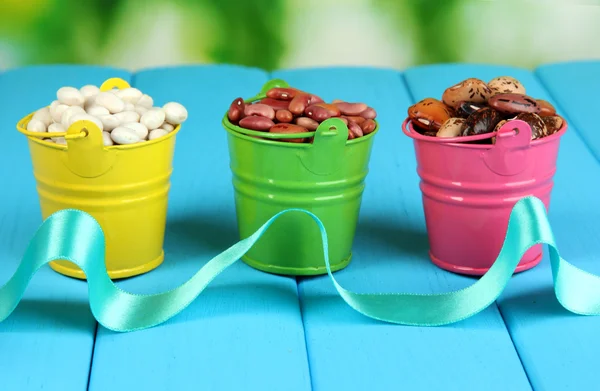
(253, 330)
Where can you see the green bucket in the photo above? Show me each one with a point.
(326, 178)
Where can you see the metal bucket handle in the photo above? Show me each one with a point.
(509, 154)
(326, 153)
(86, 155)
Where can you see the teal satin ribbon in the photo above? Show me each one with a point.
(577, 290)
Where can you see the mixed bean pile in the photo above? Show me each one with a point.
(473, 107)
(125, 116)
(290, 110)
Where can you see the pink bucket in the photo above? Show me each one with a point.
(469, 190)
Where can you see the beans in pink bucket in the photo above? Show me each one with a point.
(474, 107)
(291, 111)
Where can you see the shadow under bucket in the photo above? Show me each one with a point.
(325, 177)
(469, 190)
(124, 187)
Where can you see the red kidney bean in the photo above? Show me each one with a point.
(315, 99)
(260, 109)
(368, 126)
(256, 122)
(308, 123)
(292, 110)
(288, 129)
(355, 128)
(284, 116)
(236, 110)
(353, 118)
(351, 108)
(321, 111)
(275, 104)
(369, 113)
(299, 103)
(282, 93)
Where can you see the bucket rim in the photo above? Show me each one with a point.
(22, 128)
(408, 130)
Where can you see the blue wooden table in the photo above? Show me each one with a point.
(256, 331)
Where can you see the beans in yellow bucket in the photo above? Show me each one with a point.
(125, 116)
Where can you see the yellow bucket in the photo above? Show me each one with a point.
(124, 187)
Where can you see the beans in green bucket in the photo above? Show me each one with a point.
(290, 111)
(473, 107)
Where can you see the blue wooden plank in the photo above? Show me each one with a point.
(245, 331)
(351, 352)
(575, 87)
(557, 348)
(47, 342)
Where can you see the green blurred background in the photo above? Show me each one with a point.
(271, 34)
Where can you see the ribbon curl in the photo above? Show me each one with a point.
(117, 310)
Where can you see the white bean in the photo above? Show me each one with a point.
(123, 135)
(157, 133)
(106, 139)
(153, 118)
(140, 110)
(70, 96)
(89, 91)
(43, 115)
(69, 112)
(175, 113)
(56, 128)
(90, 102)
(97, 111)
(127, 117)
(36, 125)
(145, 101)
(130, 95)
(86, 117)
(109, 121)
(56, 110)
(109, 100)
(139, 128)
(168, 127)
(129, 106)
(59, 140)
